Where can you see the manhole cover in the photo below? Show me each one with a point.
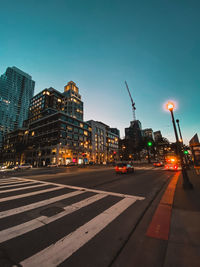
(51, 211)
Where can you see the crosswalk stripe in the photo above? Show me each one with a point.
(13, 182)
(7, 179)
(15, 185)
(31, 225)
(22, 188)
(38, 204)
(92, 190)
(57, 253)
(30, 194)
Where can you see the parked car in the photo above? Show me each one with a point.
(158, 164)
(124, 168)
(72, 164)
(24, 166)
(172, 167)
(51, 165)
(3, 167)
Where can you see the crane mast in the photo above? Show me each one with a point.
(133, 104)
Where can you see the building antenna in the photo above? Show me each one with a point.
(133, 104)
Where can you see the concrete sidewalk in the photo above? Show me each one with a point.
(169, 233)
(183, 249)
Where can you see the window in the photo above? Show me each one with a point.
(69, 135)
(69, 128)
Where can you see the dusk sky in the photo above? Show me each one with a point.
(154, 45)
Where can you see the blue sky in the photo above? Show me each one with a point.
(152, 44)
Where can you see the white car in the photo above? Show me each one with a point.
(25, 166)
(51, 165)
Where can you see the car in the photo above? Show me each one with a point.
(51, 165)
(24, 166)
(3, 167)
(124, 168)
(172, 167)
(72, 164)
(158, 164)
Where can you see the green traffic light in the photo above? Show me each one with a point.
(149, 143)
(186, 152)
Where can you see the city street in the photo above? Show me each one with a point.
(76, 216)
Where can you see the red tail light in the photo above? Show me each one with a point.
(175, 167)
(166, 167)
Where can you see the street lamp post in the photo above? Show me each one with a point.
(181, 140)
(181, 143)
(186, 182)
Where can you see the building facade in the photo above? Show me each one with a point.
(73, 104)
(16, 90)
(148, 133)
(157, 136)
(57, 133)
(105, 142)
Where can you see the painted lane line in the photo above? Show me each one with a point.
(31, 225)
(92, 190)
(41, 203)
(22, 188)
(60, 251)
(15, 185)
(29, 194)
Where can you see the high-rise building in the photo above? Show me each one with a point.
(134, 133)
(73, 103)
(57, 134)
(16, 90)
(148, 133)
(157, 136)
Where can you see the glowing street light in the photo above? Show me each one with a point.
(170, 106)
(186, 183)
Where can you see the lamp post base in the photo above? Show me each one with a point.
(187, 185)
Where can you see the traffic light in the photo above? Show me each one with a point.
(149, 143)
(186, 152)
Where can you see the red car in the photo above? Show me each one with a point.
(124, 168)
(172, 167)
(158, 164)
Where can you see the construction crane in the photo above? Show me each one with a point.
(133, 104)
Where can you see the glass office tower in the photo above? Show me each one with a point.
(16, 90)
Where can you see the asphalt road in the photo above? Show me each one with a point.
(74, 216)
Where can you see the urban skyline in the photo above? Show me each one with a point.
(153, 47)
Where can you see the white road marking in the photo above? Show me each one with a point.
(31, 225)
(15, 185)
(8, 179)
(22, 188)
(30, 194)
(38, 204)
(91, 190)
(57, 253)
(12, 183)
